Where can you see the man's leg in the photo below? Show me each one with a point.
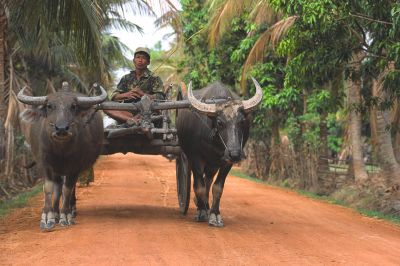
(119, 116)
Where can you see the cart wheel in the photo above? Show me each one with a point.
(183, 174)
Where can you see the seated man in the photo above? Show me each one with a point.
(134, 85)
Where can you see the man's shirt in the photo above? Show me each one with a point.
(148, 83)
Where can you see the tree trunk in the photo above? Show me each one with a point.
(3, 108)
(2, 147)
(385, 152)
(354, 100)
(323, 164)
(396, 131)
(3, 28)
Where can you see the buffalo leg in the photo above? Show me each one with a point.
(57, 190)
(209, 174)
(66, 215)
(73, 202)
(217, 189)
(47, 220)
(199, 188)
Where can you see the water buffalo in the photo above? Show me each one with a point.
(65, 136)
(212, 137)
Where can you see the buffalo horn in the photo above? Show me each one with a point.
(205, 108)
(89, 101)
(31, 100)
(252, 103)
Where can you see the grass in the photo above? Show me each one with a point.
(19, 201)
(343, 168)
(368, 213)
(243, 175)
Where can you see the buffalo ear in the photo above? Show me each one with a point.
(30, 115)
(248, 116)
(245, 114)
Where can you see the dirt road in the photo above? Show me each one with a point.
(130, 216)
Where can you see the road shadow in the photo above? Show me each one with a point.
(148, 212)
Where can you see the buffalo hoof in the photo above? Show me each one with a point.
(42, 225)
(50, 225)
(47, 221)
(73, 212)
(43, 221)
(66, 219)
(215, 220)
(70, 219)
(201, 216)
(63, 220)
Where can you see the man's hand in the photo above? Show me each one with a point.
(134, 93)
(137, 92)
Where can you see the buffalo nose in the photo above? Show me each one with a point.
(235, 156)
(61, 130)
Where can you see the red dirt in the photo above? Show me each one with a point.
(130, 216)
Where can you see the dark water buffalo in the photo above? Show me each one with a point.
(212, 138)
(65, 134)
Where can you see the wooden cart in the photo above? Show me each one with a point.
(155, 134)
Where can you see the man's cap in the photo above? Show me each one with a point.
(142, 50)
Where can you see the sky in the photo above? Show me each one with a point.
(150, 36)
(148, 39)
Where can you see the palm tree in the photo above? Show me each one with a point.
(224, 11)
(3, 31)
(261, 13)
(269, 38)
(166, 64)
(385, 151)
(354, 100)
(48, 39)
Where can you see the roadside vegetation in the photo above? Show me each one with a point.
(19, 201)
(330, 199)
(329, 70)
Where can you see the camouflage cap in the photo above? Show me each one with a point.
(142, 50)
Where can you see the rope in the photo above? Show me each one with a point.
(212, 131)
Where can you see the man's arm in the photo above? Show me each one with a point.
(158, 88)
(122, 87)
(135, 93)
(123, 93)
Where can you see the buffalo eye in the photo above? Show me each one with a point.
(49, 107)
(241, 120)
(220, 123)
(74, 107)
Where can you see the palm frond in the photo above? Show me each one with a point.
(75, 22)
(269, 39)
(263, 13)
(136, 7)
(163, 6)
(222, 14)
(114, 50)
(171, 19)
(122, 24)
(167, 19)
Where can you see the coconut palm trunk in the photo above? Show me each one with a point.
(323, 165)
(354, 99)
(385, 152)
(396, 131)
(3, 109)
(3, 28)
